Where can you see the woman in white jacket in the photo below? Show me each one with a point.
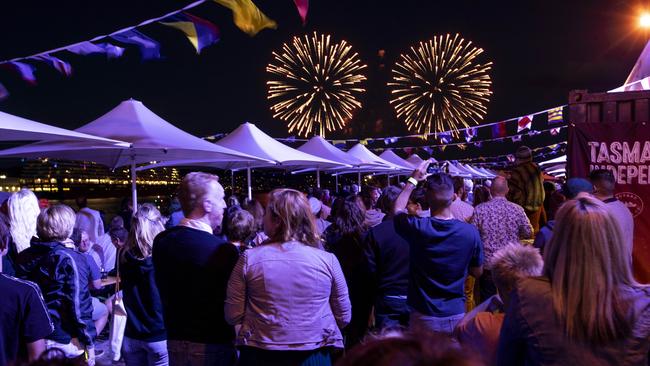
(289, 297)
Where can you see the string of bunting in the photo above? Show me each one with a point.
(555, 117)
(201, 33)
(538, 153)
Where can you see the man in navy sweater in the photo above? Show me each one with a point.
(192, 268)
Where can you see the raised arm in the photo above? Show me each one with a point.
(419, 174)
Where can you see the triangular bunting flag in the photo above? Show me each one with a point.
(58, 64)
(445, 137)
(4, 93)
(247, 16)
(516, 138)
(26, 71)
(112, 51)
(525, 122)
(499, 130)
(149, 49)
(470, 133)
(555, 116)
(85, 48)
(198, 31)
(555, 131)
(303, 8)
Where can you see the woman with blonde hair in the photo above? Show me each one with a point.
(145, 338)
(587, 309)
(288, 296)
(23, 211)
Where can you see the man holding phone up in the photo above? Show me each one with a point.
(443, 251)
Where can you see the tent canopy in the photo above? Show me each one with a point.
(150, 138)
(371, 162)
(270, 153)
(318, 146)
(14, 128)
(390, 156)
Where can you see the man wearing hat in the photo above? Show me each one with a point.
(527, 186)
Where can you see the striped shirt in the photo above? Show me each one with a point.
(527, 186)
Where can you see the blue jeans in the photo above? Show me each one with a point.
(138, 353)
(184, 353)
(391, 312)
(443, 325)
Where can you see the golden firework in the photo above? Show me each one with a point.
(315, 82)
(439, 86)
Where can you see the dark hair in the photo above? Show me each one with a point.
(119, 233)
(409, 349)
(240, 224)
(387, 200)
(549, 187)
(5, 234)
(365, 194)
(419, 195)
(255, 208)
(481, 194)
(602, 174)
(440, 191)
(81, 201)
(349, 216)
(604, 179)
(458, 184)
(317, 193)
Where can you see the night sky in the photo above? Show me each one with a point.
(540, 49)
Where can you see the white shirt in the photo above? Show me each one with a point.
(196, 224)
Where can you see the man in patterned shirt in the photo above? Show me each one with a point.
(499, 222)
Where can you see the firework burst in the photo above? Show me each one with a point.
(438, 86)
(315, 82)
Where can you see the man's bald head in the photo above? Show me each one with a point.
(499, 187)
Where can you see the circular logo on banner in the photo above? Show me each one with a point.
(632, 201)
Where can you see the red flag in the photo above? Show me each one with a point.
(499, 130)
(524, 123)
(303, 7)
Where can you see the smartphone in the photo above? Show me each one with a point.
(433, 169)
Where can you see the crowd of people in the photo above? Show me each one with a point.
(435, 271)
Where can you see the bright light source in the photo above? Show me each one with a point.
(644, 20)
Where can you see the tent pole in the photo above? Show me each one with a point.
(317, 178)
(248, 177)
(336, 182)
(232, 181)
(134, 191)
(359, 179)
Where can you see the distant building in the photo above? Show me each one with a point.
(58, 176)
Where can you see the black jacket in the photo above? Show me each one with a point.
(192, 272)
(388, 260)
(144, 321)
(62, 275)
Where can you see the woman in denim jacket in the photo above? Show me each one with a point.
(288, 297)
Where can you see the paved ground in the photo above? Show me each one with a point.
(102, 344)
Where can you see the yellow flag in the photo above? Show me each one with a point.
(247, 16)
(189, 30)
